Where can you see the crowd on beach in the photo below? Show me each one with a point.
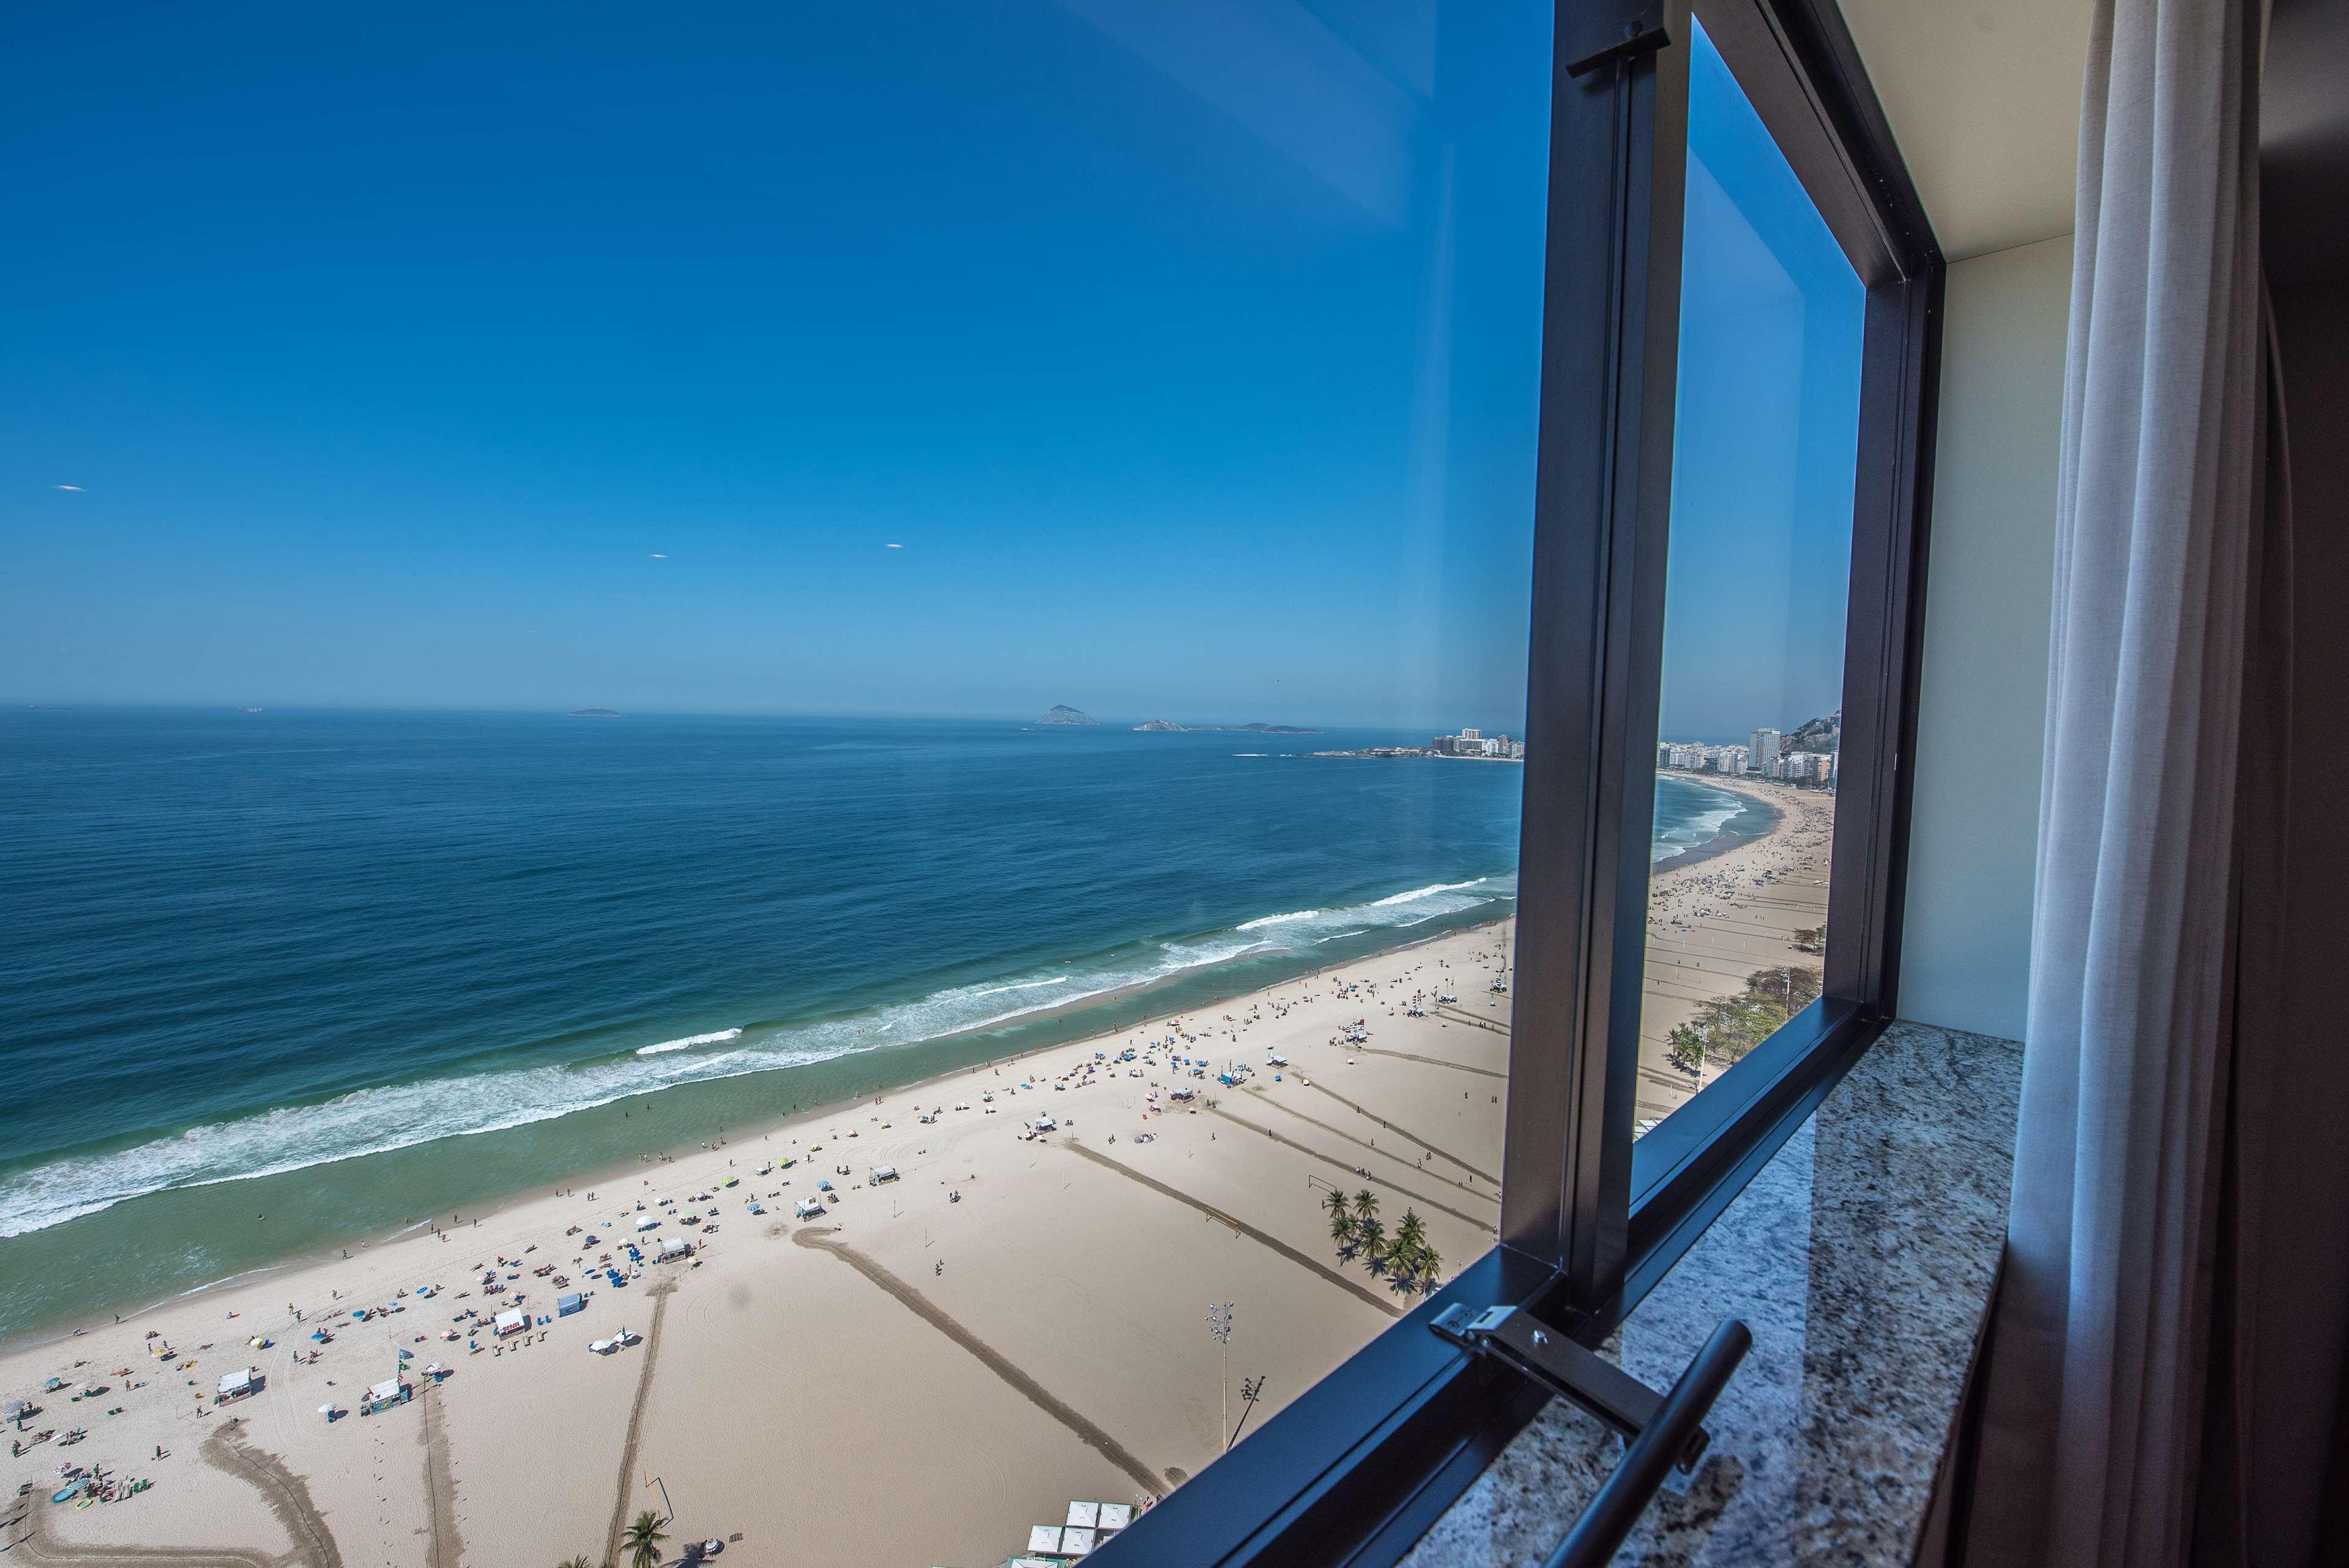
(341, 1333)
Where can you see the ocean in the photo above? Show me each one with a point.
(280, 982)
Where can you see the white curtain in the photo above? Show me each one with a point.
(2093, 1426)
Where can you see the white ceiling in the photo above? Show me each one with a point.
(1984, 100)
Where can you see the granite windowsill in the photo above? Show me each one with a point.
(1863, 1257)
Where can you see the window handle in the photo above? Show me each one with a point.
(1662, 1432)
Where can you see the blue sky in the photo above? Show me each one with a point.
(544, 355)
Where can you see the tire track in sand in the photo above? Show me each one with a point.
(661, 1293)
(929, 1311)
(287, 1494)
(1484, 1224)
(445, 1546)
(1431, 1061)
(1242, 1226)
(1394, 1127)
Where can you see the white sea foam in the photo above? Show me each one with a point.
(1415, 894)
(1022, 985)
(401, 1115)
(1699, 828)
(719, 1037)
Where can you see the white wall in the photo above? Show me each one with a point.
(1966, 943)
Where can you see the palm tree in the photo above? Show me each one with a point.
(1430, 1270)
(1404, 1254)
(1371, 1237)
(643, 1541)
(578, 1562)
(1335, 1202)
(1366, 1204)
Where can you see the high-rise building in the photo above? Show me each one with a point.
(1765, 752)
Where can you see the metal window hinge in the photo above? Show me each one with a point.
(1637, 40)
(1515, 1337)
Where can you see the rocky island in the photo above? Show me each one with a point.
(1163, 727)
(1063, 714)
(592, 713)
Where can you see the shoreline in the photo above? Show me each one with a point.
(1717, 917)
(920, 1296)
(339, 1249)
(1727, 839)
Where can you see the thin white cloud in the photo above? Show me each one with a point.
(656, 555)
(893, 547)
(75, 488)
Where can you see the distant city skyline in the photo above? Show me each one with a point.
(789, 370)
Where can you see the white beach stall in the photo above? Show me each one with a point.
(238, 1384)
(384, 1394)
(513, 1320)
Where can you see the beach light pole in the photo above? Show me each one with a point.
(1219, 1324)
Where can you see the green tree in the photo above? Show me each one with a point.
(1371, 1237)
(1430, 1270)
(1366, 1204)
(1686, 1043)
(643, 1539)
(1729, 1027)
(1341, 1231)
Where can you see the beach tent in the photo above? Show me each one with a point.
(237, 1385)
(565, 1305)
(884, 1173)
(809, 1209)
(649, 1223)
(1076, 1541)
(513, 1320)
(1084, 1515)
(675, 1247)
(1043, 1541)
(1116, 1515)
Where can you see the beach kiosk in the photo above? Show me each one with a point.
(884, 1173)
(383, 1396)
(648, 1222)
(240, 1385)
(565, 1305)
(513, 1320)
(674, 1248)
(809, 1208)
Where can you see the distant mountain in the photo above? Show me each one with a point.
(1063, 714)
(1163, 727)
(1819, 735)
(592, 713)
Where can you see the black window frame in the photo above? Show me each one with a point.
(1357, 1468)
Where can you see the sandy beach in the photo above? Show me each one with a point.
(916, 1376)
(1714, 920)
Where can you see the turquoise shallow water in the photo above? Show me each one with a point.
(280, 982)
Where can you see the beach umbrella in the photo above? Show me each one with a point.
(407, 1355)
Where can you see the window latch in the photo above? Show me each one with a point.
(1637, 40)
(1515, 1338)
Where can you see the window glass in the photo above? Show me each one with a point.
(788, 736)
(1760, 564)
